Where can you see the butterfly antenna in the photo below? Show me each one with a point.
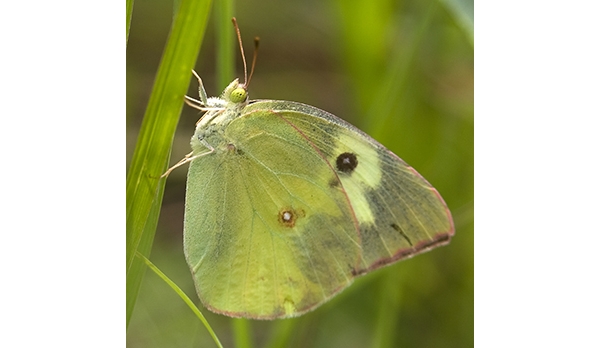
(254, 56)
(237, 30)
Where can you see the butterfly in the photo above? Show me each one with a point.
(286, 204)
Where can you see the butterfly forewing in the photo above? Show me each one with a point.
(399, 213)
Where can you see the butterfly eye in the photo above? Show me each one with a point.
(238, 95)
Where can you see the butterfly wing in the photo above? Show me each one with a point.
(293, 205)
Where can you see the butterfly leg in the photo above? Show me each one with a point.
(178, 164)
(195, 103)
(201, 90)
(203, 102)
(189, 158)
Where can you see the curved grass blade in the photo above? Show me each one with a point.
(183, 296)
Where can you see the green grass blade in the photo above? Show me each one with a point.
(241, 333)
(378, 85)
(128, 14)
(388, 312)
(282, 333)
(183, 296)
(364, 56)
(392, 92)
(151, 155)
(225, 64)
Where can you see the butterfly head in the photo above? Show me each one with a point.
(236, 93)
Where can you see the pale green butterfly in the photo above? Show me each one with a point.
(286, 204)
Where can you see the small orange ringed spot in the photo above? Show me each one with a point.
(289, 216)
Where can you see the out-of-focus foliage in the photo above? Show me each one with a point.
(400, 70)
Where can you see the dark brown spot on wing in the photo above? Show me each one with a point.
(346, 162)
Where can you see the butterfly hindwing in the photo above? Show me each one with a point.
(265, 234)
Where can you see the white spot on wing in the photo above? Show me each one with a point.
(366, 176)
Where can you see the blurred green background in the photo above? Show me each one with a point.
(400, 70)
